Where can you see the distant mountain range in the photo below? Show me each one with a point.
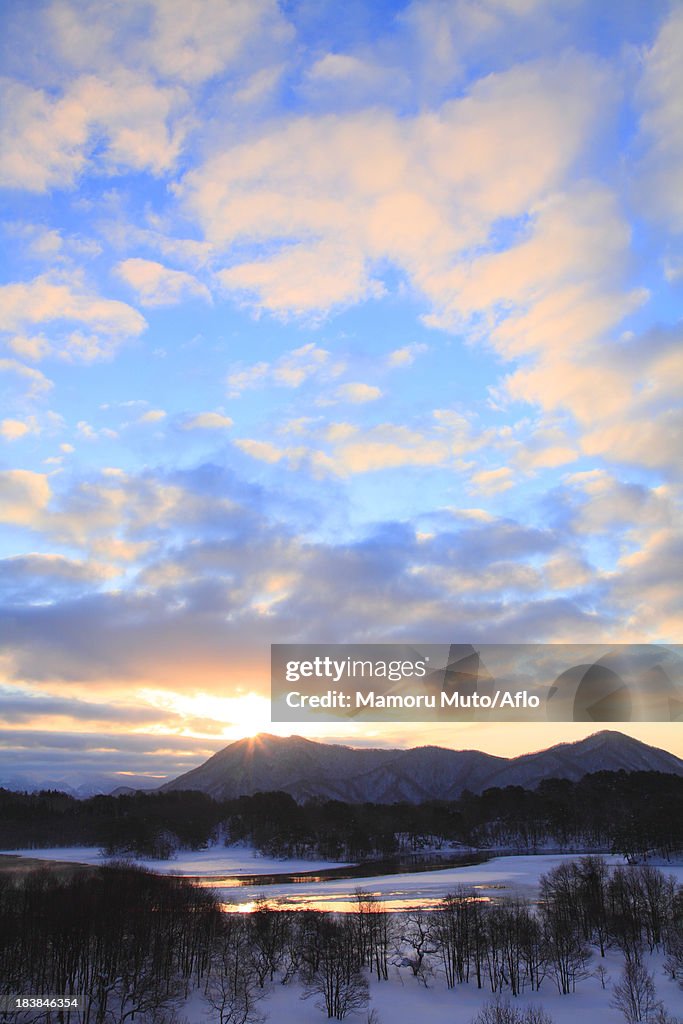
(305, 768)
(95, 786)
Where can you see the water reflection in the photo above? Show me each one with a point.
(342, 903)
(392, 882)
(416, 863)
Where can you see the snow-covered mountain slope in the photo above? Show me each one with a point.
(305, 768)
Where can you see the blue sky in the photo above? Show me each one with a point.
(328, 322)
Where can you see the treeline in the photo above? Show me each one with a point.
(633, 813)
(146, 824)
(137, 945)
(584, 909)
(130, 941)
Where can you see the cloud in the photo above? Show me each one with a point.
(24, 496)
(418, 191)
(27, 707)
(340, 431)
(46, 139)
(208, 421)
(406, 355)
(654, 443)
(390, 446)
(165, 37)
(195, 44)
(303, 279)
(12, 430)
(112, 514)
(33, 347)
(345, 80)
(345, 449)
(42, 140)
(430, 167)
(358, 393)
(241, 380)
(46, 243)
(215, 571)
(291, 370)
(264, 451)
(225, 572)
(39, 575)
(493, 481)
(646, 586)
(540, 444)
(662, 123)
(85, 430)
(573, 244)
(123, 96)
(51, 299)
(36, 382)
(157, 285)
(567, 572)
(344, 69)
(405, 449)
(608, 504)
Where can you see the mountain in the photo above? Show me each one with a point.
(306, 769)
(95, 786)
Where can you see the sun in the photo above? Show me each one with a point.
(239, 716)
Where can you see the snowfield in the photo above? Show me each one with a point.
(217, 861)
(403, 1000)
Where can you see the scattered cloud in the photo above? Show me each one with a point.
(492, 481)
(208, 421)
(303, 279)
(36, 383)
(661, 123)
(34, 347)
(24, 495)
(51, 299)
(12, 430)
(406, 355)
(291, 370)
(499, 177)
(366, 187)
(358, 392)
(47, 139)
(157, 285)
(241, 380)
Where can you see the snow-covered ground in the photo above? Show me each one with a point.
(216, 861)
(404, 1000)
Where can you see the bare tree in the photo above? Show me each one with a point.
(503, 1013)
(233, 989)
(418, 934)
(634, 994)
(336, 976)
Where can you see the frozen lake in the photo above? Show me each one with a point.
(241, 877)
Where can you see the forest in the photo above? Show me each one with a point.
(138, 945)
(631, 813)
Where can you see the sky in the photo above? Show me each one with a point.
(328, 322)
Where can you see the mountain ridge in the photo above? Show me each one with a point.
(307, 768)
